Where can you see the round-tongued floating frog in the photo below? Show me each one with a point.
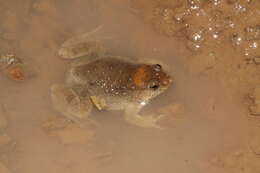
(107, 82)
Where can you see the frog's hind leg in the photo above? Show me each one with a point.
(81, 45)
(68, 102)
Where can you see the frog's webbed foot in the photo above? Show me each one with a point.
(134, 118)
(80, 46)
(67, 101)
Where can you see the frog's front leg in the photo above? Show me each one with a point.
(132, 116)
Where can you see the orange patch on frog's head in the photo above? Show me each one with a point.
(140, 76)
(151, 77)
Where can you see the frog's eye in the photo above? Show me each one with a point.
(157, 67)
(153, 84)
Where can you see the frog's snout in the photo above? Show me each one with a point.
(167, 81)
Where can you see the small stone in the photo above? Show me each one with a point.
(16, 73)
(14, 67)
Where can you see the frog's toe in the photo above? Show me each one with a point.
(65, 53)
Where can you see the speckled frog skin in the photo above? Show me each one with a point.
(107, 82)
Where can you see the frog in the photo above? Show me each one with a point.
(96, 79)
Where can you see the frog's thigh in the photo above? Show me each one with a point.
(66, 101)
(132, 117)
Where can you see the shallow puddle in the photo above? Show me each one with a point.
(207, 114)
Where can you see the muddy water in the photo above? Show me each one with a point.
(42, 141)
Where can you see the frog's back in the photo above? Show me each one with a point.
(107, 74)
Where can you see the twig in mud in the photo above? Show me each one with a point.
(93, 31)
(103, 156)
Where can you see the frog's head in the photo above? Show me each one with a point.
(151, 79)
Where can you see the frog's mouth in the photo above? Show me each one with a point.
(167, 81)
